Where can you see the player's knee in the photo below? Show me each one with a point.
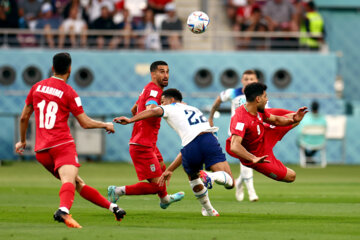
(198, 188)
(290, 177)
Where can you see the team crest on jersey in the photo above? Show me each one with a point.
(239, 126)
(152, 167)
(153, 93)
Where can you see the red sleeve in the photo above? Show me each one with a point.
(152, 96)
(238, 126)
(29, 98)
(74, 101)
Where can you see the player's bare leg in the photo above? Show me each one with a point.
(290, 176)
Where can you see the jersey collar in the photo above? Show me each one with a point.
(58, 78)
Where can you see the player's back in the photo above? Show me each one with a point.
(53, 100)
(187, 121)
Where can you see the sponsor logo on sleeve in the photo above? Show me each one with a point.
(153, 93)
(78, 101)
(239, 126)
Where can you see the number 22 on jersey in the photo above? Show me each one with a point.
(47, 119)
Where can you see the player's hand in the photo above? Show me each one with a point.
(165, 178)
(300, 113)
(211, 122)
(261, 159)
(19, 147)
(109, 127)
(122, 120)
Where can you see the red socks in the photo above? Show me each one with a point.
(93, 195)
(66, 194)
(143, 188)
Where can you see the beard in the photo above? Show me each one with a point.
(261, 109)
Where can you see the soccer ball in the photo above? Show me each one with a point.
(198, 22)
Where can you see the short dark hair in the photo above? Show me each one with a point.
(61, 62)
(173, 92)
(253, 90)
(155, 65)
(248, 72)
(315, 106)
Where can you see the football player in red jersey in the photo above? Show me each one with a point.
(147, 159)
(52, 100)
(252, 140)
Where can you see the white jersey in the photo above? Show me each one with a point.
(187, 121)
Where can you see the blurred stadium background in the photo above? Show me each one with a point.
(109, 80)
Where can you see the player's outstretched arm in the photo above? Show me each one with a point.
(237, 148)
(87, 123)
(154, 112)
(286, 121)
(165, 177)
(214, 107)
(24, 123)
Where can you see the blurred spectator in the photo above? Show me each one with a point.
(73, 26)
(171, 22)
(150, 39)
(123, 22)
(250, 18)
(94, 10)
(81, 10)
(280, 15)
(158, 6)
(231, 9)
(136, 9)
(9, 18)
(313, 118)
(29, 12)
(105, 22)
(313, 24)
(59, 6)
(48, 22)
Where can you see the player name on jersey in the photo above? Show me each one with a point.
(50, 90)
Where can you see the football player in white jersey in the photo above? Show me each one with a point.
(200, 147)
(237, 98)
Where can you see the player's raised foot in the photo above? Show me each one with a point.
(213, 213)
(253, 197)
(119, 213)
(62, 216)
(206, 179)
(173, 198)
(239, 190)
(112, 196)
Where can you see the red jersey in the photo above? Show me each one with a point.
(53, 99)
(250, 128)
(145, 131)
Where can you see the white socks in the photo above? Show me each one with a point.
(221, 177)
(165, 199)
(120, 191)
(247, 177)
(112, 205)
(202, 195)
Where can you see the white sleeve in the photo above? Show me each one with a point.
(227, 94)
(166, 110)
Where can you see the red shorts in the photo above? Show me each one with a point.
(275, 169)
(53, 158)
(146, 161)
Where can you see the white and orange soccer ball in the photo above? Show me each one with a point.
(198, 22)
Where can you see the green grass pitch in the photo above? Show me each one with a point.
(321, 204)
